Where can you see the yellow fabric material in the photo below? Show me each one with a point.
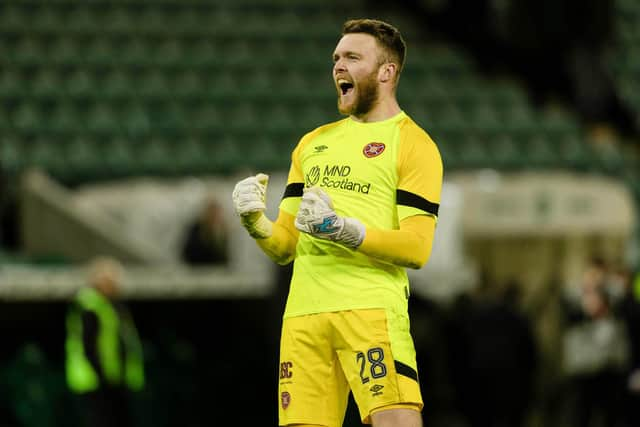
(281, 245)
(411, 406)
(323, 356)
(362, 166)
(410, 246)
(420, 167)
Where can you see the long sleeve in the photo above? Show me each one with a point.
(410, 246)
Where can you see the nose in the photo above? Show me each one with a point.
(339, 66)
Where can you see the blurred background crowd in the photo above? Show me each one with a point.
(125, 123)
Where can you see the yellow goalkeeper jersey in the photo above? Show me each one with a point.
(378, 172)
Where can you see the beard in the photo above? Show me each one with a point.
(367, 97)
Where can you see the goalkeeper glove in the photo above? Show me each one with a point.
(317, 217)
(249, 201)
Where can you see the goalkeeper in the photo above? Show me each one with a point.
(360, 206)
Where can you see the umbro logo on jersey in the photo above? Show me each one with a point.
(319, 148)
(373, 149)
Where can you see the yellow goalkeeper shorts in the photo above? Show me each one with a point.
(324, 355)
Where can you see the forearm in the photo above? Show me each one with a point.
(280, 246)
(410, 246)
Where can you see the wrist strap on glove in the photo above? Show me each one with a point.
(258, 225)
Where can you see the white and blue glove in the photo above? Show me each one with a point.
(249, 202)
(317, 217)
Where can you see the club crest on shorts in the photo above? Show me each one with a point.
(373, 149)
(285, 398)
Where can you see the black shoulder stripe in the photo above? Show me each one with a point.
(410, 199)
(406, 370)
(293, 190)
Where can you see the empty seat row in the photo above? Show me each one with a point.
(154, 19)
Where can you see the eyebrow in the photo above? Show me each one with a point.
(347, 53)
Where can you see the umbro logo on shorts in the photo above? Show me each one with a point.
(376, 389)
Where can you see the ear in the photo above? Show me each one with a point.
(387, 72)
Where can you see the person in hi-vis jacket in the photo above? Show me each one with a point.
(104, 360)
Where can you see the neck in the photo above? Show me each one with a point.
(382, 110)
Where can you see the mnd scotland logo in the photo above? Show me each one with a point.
(335, 176)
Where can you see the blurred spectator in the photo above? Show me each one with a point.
(558, 46)
(104, 354)
(495, 358)
(206, 239)
(595, 350)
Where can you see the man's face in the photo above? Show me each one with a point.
(355, 73)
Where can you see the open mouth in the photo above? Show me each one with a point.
(345, 86)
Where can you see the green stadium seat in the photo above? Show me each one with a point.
(170, 120)
(244, 118)
(558, 123)
(261, 83)
(187, 85)
(431, 87)
(208, 118)
(99, 52)
(119, 159)
(539, 152)
(47, 84)
(169, 53)
(14, 18)
(519, 120)
(116, 85)
(82, 20)
(27, 119)
(505, 153)
(135, 53)
(153, 86)
(508, 95)
(226, 152)
(84, 159)
(574, 152)
(155, 157)
(135, 121)
(47, 19)
(28, 51)
(450, 118)
(473, 153)
(11, 154)
(117, 20)
(81, 85)
(64, 51)
(5, 122)
(194, 157)
(278, 118)
(12, 85)
(46, 154)
(186, 21)
(202, 53)
(64, 120)
(311, 115)
(102, 121)
(484, 119)
(222, 86)
(265, 154)
(154, 20)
